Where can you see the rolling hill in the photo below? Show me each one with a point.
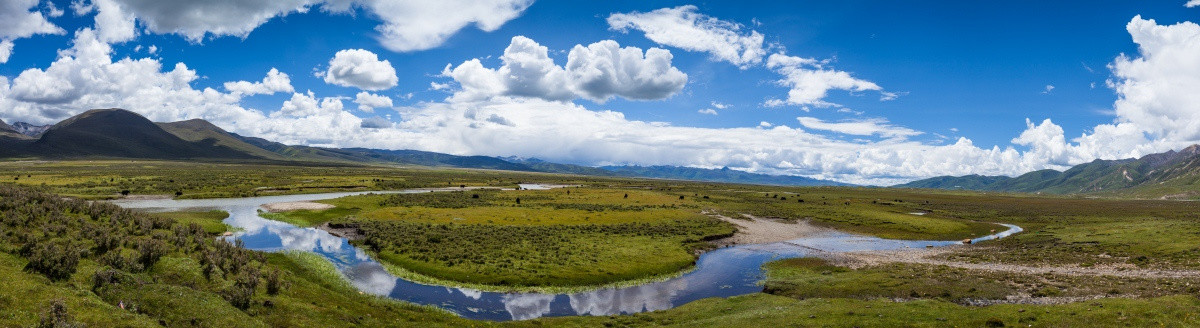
(1172, 174)
(118, 133)
(716, 175)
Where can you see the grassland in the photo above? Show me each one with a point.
(516, 240)
(110, 179)
(210, 221)
(486, 234)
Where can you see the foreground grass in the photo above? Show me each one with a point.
(111, 267)
(815, 278)
(765, 310)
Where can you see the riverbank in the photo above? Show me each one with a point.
(756, 230)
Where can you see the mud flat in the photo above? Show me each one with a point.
(292, 206)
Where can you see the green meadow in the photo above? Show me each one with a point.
(68, 261)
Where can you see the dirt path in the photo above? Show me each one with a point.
(755, 230)
(925, 256)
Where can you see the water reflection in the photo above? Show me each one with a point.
(720, 273)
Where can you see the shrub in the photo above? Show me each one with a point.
(56, 260)
(275, 282)
(149, 251)
(57, 317)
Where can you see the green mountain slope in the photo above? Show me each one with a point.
(117, 133)
(1173, 174)
(201, 131)
(716, 175)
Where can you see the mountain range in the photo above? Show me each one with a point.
(118, 133)
(1173, 174)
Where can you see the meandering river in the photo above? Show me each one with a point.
(723, 272)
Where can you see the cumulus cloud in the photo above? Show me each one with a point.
(807, 79)
(307, 104)
(708, 111)
(1157, 107)
(599, 71)
(114, 24)
(865, 127)
(275, 81)
(810, 81)
(1192, 4)
(21, 19)
(361, 69)
(604, 69)
(1047, 89)
(682, 27)
(85, 76)
(368, 102)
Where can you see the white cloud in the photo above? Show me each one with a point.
(405, 25)
(1047, 90)
(275, 81)
(307, 104)
(718, 105)
(21, 19)
(1157, 107)
(411, 25)
(683, 28)
(114, 24)
(1192, 3)
(708, 111)
(604, 69)
(598, 72)
(196, 19)
(6, 47)
(52, 10)
(368, 102)
(361, 69)
(866, 127)
(810, 81)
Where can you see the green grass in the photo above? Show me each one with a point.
(606, 237)
(551, 239)
(763, 310)
(26, 297)
(814, 278)
(210, 221)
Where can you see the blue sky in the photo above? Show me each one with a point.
(924, 77)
